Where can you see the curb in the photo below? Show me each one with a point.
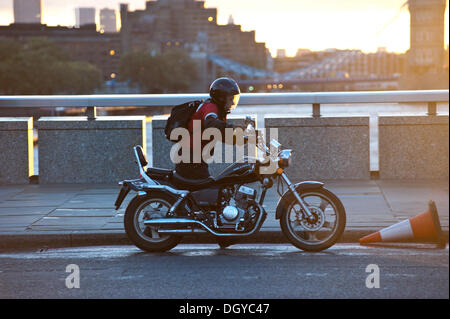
(76, 239)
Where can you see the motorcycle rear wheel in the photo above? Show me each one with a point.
(141, 208)
(321, 233)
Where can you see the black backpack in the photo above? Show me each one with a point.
(180, 116)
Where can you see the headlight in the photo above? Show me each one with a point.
(284, 158)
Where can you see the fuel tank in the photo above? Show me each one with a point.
(238, 173)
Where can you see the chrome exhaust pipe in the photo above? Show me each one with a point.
(191, 222)
(182, 231)
(171, 222)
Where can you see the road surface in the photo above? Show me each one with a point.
(242, 271)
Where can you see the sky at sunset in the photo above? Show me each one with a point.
(288, 24)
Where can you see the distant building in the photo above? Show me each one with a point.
(171, 23)
(108, 21)
(281, 53)
(426, 64)
(27, 11)
(81, 44)
(378, 64)
(300, 52)
(84, 16)
(164, 23)
(187, 24)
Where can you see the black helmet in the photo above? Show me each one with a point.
(221, 88)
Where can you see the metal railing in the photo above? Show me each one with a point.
(91, 102)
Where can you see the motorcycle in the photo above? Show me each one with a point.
(168, 206)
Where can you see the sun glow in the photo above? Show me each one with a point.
(318, 25)
(283, 24)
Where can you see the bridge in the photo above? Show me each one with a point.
(329, 72)
(97, 149)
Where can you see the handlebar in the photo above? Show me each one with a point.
(260, 142)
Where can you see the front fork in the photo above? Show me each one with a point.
(302, 204)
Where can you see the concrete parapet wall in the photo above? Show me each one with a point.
(161, 146)
(325, 147)
(78, 150)
(413, 147)
(16, 150)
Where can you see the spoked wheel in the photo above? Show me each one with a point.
(145, 237)
(320, 232)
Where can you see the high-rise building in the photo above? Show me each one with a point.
(108, 20)
(425, 66)
(187, 23)
(426, 32)
(84, 16)
(27, 11)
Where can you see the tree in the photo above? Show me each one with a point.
(39, 66)
(8, 49)
(170, 72)
(138, 67)
(180, 70)
(81, 77)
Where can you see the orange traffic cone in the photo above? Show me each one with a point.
(423, 226)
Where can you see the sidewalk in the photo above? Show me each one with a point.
(76, 215)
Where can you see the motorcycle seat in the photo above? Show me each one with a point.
(191, 184)
(159, 173)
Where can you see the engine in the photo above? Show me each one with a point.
(237, 208)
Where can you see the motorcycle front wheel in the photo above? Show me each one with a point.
(319, 233)
(142, 208)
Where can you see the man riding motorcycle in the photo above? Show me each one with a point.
(170, 204)
(224, 97)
